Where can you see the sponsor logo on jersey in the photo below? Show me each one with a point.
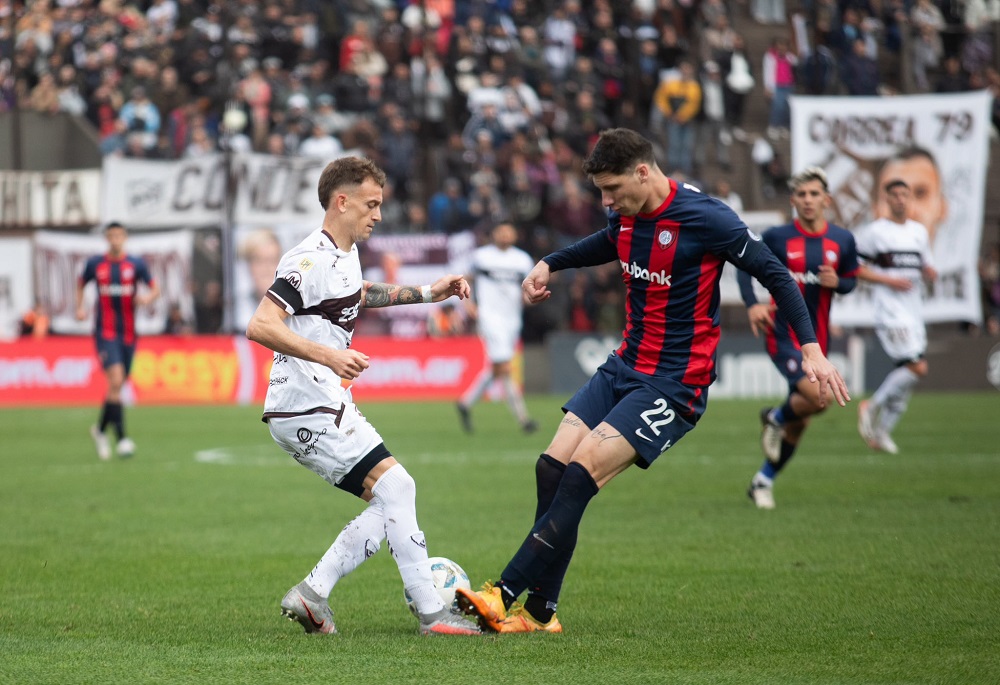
(807, 278)
(636, 271)
(117, 289)
(304, 435)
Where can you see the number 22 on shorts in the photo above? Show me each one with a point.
(660, 415)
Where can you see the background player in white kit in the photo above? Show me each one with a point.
(497, 270)
(896, 256)
(307, 317)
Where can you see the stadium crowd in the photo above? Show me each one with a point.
(478, 110)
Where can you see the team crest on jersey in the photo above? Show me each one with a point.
(665, 237)
(792, 365)
(831, 257)
(294, 278)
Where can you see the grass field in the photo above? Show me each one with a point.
(168, 568)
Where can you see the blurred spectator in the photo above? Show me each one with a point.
(953, 78)
(319, 144)
(176, 323)
(818, 71)
(678, 99)
(768, 11)
(398, 148)
(860, 72)
(712, 128)
(739, 82)
(201, 144)
(35, 322)
(779, 79)
(448, 210)
(574, 214)
(559, 39)
(445, 321)
(724, 191)
(141, 116)
(45, 96)
(989, 274)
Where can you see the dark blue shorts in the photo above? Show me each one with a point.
(633, 404)
(787, 358)
(115, 351)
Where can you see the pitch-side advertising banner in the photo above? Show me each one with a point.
(939, 145)
(60, 258)
(64, 371)
(192, 192)
(15, 284)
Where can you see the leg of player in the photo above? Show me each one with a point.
(600, 456)
(112, 413)
(515, 399)
(802, 403)
(891, 400)
(395, 489)
(471, 396)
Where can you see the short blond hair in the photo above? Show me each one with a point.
(812, 173)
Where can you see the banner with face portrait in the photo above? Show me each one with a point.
(937, 144)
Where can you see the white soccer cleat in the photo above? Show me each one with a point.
(312, 612)
(761, 493)
(447, 622)
(770, 435)
(866, 423)
(125, 448)
(885, 444)
(101, 443)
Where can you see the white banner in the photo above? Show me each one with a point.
(49, 198)
(59, 261)
(938, 144)
(16, 296)
(191, 192)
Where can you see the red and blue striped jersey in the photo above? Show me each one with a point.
(116, 281)
(803, 253)
(672, 260)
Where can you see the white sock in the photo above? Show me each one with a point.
(398, 494)
(360, 539)
(893, 396)
(478, 388)
(515, 400)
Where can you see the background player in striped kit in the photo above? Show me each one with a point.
(822, 259)
(896, 256)
(497, 271)
(117, 276)
(672, 242)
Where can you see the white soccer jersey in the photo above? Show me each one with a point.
(320, 286)
(498, 275)
(901, 251)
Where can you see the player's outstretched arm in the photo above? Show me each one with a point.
(819, 369)
(267, 327)
(387, 295)
(535, 284)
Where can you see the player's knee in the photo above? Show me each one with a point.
(919, 367)
(396, 488)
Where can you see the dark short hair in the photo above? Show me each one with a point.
(617, 151)
(114, 224)
(895, 183)
(347, 171)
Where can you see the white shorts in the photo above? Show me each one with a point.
(330, 442)
(903, 341)
(500, 341)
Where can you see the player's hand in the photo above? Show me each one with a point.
(901, 284)
(535, 285)
(761, 318)
(828, 277)
(449, 285)
(81, 313)
(348, 363)
(818, 369)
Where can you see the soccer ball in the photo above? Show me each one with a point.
(448, 577)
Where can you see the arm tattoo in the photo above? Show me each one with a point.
(386, 295)
(575, 421)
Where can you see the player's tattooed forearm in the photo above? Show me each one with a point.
(377, 295)
(385, 295)
(409, 295)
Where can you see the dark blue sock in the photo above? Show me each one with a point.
(553, 534)
(785, 413)
(772, 470)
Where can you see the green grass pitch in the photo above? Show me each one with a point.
(168, 568)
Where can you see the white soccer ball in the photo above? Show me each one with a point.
(448, 577)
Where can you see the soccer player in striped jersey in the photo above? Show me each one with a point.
(672, 242)
(117, 276)
(822, 260)
(896, 255)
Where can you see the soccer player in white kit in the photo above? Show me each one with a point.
(307, 317)
(896, 257)
(497, 271)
